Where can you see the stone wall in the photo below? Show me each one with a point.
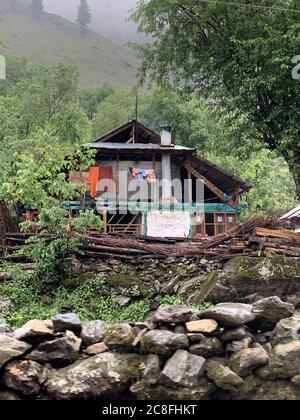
(231, 351)
(242, 279)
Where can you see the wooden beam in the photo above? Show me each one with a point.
(219, 193)
(104, 221)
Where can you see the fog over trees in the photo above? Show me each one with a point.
(109, 16)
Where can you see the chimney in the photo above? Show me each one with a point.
(166, 140)
(166, 135)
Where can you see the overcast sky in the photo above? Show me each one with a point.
(109, 16)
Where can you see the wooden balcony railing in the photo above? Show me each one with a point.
(130, 229)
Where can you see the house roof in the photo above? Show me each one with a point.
(128, 131)
(138, 146)
(146, 142)
(293, 214)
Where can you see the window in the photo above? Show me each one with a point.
(220, 224)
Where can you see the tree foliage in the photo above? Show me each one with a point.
(240, 54)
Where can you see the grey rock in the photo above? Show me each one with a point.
(93, 332)
(284, 360)
(123, 300)
(222, 375)
(120, 337)
(177, 314)
(287, 330)
(209, 347)
(245, 361)
(66, 322)
(179, 329)
(182, 370)
(59, 352)
(272, 309)
(152, 369)
(103, 376)
(163, 343)
(230, 314)
(6, 305)
(236, 346)
(236, 334)
(33, 330)
(23, 376)
(11, 348)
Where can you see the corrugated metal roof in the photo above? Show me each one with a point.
(293, 214)
(136, 146)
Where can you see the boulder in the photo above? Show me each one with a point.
(272, 309)
(287, 330)
(24, 376)
(11, 348)
(33, 330)
(4, 327)
(247, 279)
(204, 326)
(222, 375)
(93, 332)
(142, 391)
(60, 352)
(182, 370)
(284, 360)
(247, 360)
(66, 322)
(103, 376)
(152, 369)
(96, 349)
(236, 334)
(120, 337)
(163, 343)
(209, 347)
(230, 314)
(177, 314)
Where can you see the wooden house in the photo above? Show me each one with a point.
(184, 195)
(294, 217)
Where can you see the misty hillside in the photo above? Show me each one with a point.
(53, 38)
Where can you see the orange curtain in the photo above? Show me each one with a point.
(94, 178)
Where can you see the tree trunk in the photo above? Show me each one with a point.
(296, 177)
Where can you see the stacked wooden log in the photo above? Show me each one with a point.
(257, 236)
(268, 241)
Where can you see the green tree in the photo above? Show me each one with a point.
(37, 8)
(84, 16)
(240, 54)
(116, 110)
(91, 98)
(44, 92)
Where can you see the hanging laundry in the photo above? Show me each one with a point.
(135, 172)
(143, 175)
(151, 178)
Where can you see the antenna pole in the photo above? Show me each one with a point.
(137, 103)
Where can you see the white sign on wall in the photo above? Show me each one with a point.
(168, 224)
